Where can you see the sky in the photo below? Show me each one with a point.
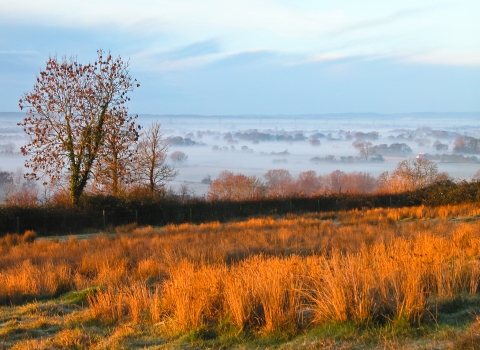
(267, 57)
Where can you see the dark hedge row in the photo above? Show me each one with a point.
(449, 192)
(100, 212)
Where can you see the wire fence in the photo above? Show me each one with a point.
(105, 216)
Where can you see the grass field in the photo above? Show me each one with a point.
(380, 278)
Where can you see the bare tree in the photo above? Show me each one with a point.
(466, 144)
(410, 175)
(5, 178)
(358, 182)
(185, 192)
(335, 180)
(71, 111)
(476, 176)
(18, 191)
(365, 148)
(235, 187)
(279, 183)
(178, 157)
(308, 183)
(150, 164)
(440, 146)
(115, 170)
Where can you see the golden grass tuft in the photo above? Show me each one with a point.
(138, 302)
(470, 339)
(191, 297)
(71, 339)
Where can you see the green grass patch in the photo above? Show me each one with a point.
(79, 297)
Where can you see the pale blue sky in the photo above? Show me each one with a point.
(258, 56)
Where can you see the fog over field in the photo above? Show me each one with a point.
(254, 144)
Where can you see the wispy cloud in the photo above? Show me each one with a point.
(193, 55)
(19, 53)
(245, 58)
(379, 21)
(443, 57)
(169, 61)
(196, 49)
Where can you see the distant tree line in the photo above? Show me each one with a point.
(409, 175)
(451, 158)
(466, 144)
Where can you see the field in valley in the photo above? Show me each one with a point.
(379, 278)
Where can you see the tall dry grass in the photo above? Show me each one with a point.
(264, 274)
(138, 301)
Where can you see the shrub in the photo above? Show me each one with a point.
(11, 239)
(29, 236)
